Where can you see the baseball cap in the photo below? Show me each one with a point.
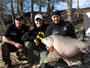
(54, 12)
(19, 17)
(38, 16)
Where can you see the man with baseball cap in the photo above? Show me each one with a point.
(12, 41)
(33, 41)
(19, 17)
(38, 16)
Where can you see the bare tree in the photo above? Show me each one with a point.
(12, 10)
(69, 10)
(78, 9)
(2, 10)
(20, 7)
(32, 17)
(18, 11)
(52, 7)
(40, 6)
(48, 6)
(2, 21)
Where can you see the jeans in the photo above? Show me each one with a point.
(6, 49)
(30, 47)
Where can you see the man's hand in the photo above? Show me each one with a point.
(49, 48)
(36, 42)
(31, 28)
(18, 45)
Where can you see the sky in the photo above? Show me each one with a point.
(59, 5)
(82, 4)
(62, 5)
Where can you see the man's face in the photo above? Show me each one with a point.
(19, 23)
(39, 22)
(55, 19)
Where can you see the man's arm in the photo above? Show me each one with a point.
(5, 39)
(48, 30)
(71, 30)
(27, 36)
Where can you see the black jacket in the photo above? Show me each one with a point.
(38, 33)
(15, 34)
(62, 28)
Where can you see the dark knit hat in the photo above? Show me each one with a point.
(54, 12)
(19, 17)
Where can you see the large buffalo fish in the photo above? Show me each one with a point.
(65, 46)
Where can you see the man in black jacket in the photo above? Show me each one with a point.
(12, 40)
(33, 40)
(59, 27)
